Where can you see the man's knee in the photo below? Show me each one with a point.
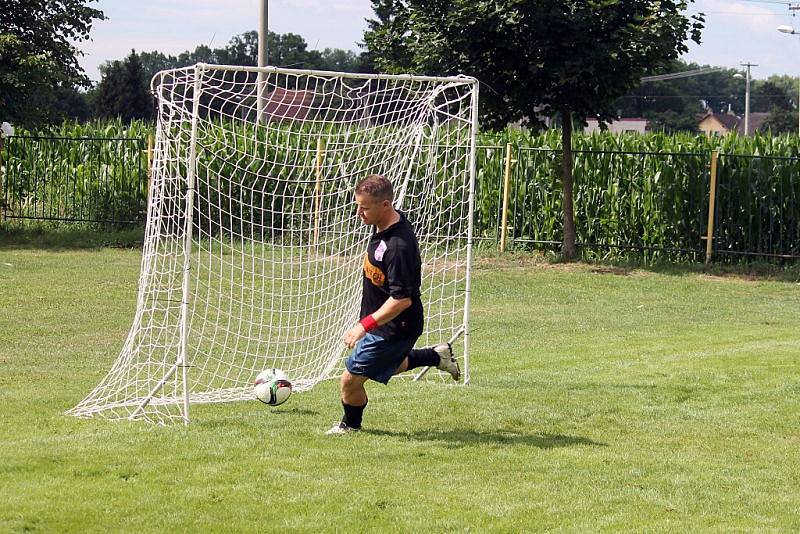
(351, 382)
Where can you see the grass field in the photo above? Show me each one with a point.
(603, 398)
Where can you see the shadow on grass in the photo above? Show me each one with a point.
(60, 238)
(292, 411)
(237, 418)
(463, 438)
(748, 271)
(741, 268)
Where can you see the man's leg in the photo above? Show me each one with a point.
(439, 356)
(354, 400)
(352, 388)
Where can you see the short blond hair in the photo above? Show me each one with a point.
(377, 187)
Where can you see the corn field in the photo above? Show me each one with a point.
(91, 173)
(644, 196)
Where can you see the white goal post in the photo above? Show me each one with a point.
(252, 254)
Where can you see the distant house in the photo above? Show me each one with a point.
(724, 123)
(629, 125)
(288, 104)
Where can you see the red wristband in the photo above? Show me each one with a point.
(369, 323)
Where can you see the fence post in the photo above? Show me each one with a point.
(712, 199)
(506, 187)
(318, 189)
(149, 171)
(2, 185)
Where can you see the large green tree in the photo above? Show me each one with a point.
(38, 57)
(573, 58)
(123, 91)
(781, 121)
(768, 95)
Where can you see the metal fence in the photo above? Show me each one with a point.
(758, 206)
(89, 179)
(653, 204)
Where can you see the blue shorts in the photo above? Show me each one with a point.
(378, 359)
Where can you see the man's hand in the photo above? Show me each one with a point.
(352, 336)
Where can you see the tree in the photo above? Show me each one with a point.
(767, 96)
(674, 105)
(783, 118)
(672, 121)
(155, 61)
(285, 50)
(787, 85)
(781, 121)
(123, 90)
(385, 36)
(574, 58)
(38, 55)
(72, 103)
(340, 60)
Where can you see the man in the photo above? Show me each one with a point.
(391, 308)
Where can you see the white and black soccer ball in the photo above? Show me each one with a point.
(272, 386)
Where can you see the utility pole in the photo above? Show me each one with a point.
(797, 8)
(747, 98)
(791, 31)
(262, 57)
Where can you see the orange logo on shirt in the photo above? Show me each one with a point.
(375, 275)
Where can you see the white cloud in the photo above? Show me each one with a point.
(745, 15)
(738, 31)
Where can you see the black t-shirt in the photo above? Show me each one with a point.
(393, 268)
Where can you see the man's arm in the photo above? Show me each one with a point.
(388, 311)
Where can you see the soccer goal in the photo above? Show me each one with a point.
(253, 252)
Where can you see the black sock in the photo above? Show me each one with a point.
(353, 414)
(422, 358)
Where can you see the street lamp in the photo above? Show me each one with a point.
(746, 96)
(791, 31)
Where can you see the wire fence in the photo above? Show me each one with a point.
(758, 206)
(87, 179)
(647, 204)
(651, 204)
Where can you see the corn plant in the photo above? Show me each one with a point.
(645, 195)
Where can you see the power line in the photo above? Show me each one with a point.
(737, 13)
(683, 74)
(781, 2)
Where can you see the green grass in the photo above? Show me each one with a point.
(603, 398)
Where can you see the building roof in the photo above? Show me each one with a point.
(732, 123)
(288, 104)
(756, 123)
(622, 119)
(729, 121)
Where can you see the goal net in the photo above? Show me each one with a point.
(253, 251)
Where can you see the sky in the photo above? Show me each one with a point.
(736, 31)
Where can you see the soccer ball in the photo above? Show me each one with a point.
(272, 387)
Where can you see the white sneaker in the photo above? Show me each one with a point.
(341, 428)
(446, 360)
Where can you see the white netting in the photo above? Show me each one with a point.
(265, 269)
